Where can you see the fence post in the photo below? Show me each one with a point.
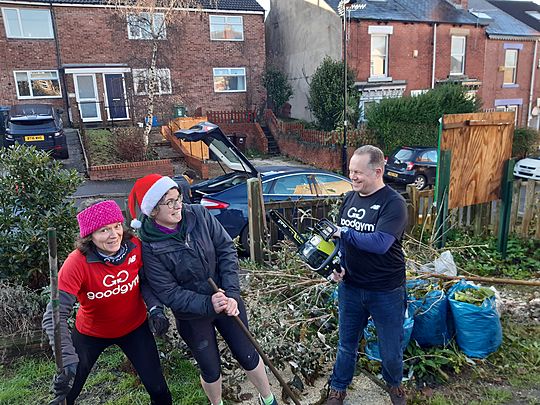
(256, 220)
(506, 206)
(442, 195)
(413, 195)
(529, 208)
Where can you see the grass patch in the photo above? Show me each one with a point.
(112, 381)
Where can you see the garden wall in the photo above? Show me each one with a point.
(132, 170)
(255, 138)
(319, 148)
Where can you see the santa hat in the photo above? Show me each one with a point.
(146, 192)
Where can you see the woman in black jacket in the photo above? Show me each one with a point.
(184, 245)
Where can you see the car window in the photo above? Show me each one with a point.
(331, 185)
(403, 155)
(296, 184)
(428, 156)
(36, 124)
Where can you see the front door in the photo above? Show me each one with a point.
(115, 101)
(87, 97)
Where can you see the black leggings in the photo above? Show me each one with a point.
(200, 336)
(140, 348)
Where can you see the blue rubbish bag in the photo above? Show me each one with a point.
(478, 328)
(372, 344)
(430, 319)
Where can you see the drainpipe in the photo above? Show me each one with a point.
(434, 55)
(529, 118)
(61, 70)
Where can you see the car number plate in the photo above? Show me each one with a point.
(34, 138)
(392, 174)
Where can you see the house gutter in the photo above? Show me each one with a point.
(529, 118)
(61, 70)
(433, 63)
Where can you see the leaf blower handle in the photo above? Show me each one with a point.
(259, 350)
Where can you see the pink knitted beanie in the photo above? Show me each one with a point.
(97, 216)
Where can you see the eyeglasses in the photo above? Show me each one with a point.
(173, 203)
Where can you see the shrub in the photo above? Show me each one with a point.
(326, 95)
(414, 120)
(33, 190)
(525, 139)
(129, 144)
(278, 88)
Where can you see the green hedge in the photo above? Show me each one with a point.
(414, 120)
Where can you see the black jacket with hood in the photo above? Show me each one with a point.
(177, 266)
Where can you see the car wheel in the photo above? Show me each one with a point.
(63, 154)
(420, 182)
(244, 239)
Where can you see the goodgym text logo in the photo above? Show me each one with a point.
(115, 284)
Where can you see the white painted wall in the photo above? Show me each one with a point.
(299, 34)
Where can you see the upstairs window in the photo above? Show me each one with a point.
(147, 26)
(226, 28)
(27, 23)
(510, 66)
(37, 84)
(379, 56)
(457, 55)
(140, 81)
(229, 80)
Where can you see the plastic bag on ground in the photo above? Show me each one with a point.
(372, 344)
(478, 328)
(444, 264)
(430, 319)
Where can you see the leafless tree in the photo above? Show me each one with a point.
(149, 19)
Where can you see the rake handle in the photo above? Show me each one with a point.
(259, 350)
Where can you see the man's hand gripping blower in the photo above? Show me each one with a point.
(318, 250)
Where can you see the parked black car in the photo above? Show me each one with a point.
(416, 164)
(38, 125)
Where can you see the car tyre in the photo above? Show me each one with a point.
(63, 154)
(244, 239)
(420, 182)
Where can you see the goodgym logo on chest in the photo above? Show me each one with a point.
(115, 284)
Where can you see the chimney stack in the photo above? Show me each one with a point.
(463, 4)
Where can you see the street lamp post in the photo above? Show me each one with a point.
(344, 5)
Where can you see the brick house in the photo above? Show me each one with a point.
(86, 58)
(396, 47)
(509, 82)
(526, 12)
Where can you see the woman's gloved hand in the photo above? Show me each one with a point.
(62, 383)
(158, 322)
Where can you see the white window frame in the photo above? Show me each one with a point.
(226, 19)
(462, 55)
(385, 74)
(9, 34)
(161, 73)
(29, 73)
(508, 108)
(506, 67)
(143, 35)
(233, 75)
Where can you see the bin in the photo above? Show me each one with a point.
(232, 138)
(241, 142)
(4, 111)
(179, 111)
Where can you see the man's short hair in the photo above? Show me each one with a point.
(192, 174)
(376, 156)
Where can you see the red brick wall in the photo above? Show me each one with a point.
(492, 87)
(408, 37)
(255, 138)
(132, 170)
(89, 35)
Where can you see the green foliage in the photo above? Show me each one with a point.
(33, 190)
(326, 95)
(524, 141)
(111, 381)
(278, 88)
(482, 258)
(414, 120)
(474, 296)
(120, 145)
